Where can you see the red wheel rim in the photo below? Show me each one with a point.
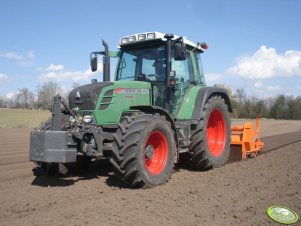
(216, 133)
(156, 163)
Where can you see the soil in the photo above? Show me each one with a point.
(236, 194)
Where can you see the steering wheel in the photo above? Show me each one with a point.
(151, 77)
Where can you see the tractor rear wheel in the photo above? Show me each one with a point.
(143, 150)
(210, 141)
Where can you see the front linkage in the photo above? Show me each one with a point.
(62, 143)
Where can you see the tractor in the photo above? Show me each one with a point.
(156, 112)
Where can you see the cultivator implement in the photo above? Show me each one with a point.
(248, 138)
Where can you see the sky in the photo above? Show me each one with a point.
(254, 45)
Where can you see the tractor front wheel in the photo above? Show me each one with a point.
(143, 150)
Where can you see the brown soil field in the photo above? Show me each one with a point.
(236, 194)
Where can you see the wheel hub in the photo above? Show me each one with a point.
(149, 151)
(156, 152)
(216, 133)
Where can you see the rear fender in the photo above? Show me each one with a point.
(202, 97)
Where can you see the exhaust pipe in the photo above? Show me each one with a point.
(106, 62)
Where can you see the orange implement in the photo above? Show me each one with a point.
(248, 138)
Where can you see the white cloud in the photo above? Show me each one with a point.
(30, 54)
(3, 77)
(260, 87)
(258, 84)
(55, 67)
(58, 73)
(26, 63)
(267, 63)
(212, 77)
(24, 60)
(273, 88)
(12, 55)
(11, 95)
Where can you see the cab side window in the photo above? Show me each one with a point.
(183, 69)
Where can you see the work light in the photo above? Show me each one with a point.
(72, 119)
(87, 119)
(132, 38)
(124, 40)
(141, 36)
(151, 36)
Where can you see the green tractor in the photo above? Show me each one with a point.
(156, 112)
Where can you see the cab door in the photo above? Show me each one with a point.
(184, 78)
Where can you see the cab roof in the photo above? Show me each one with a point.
(147, 37)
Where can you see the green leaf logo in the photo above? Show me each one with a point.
(282, 214)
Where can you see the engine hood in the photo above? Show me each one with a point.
(85, 97)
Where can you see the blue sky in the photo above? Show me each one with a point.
(253, 45)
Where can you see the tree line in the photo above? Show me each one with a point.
(41, 99)
(278, 107)
(243, 106)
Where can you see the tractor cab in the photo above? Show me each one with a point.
(171, 64)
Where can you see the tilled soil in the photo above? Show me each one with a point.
(236, 194)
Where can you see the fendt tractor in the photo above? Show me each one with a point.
(156, 112)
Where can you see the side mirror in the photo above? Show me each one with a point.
(94, 63)
(179, 51)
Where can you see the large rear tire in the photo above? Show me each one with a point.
(210, 141)
(143, 150)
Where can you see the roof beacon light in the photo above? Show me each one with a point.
(204, 45)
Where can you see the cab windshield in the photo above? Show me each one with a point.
(147, 64)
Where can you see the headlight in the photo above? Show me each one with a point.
(72, 119)
(87, 119)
